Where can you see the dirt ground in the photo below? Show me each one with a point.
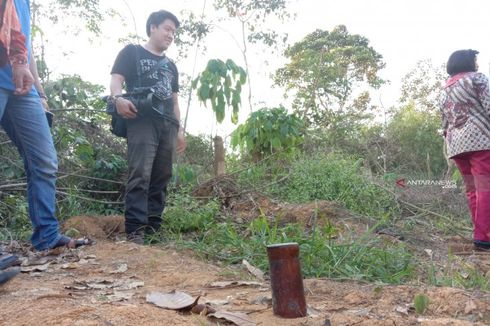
(107, 284)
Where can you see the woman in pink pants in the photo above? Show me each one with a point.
(465, 111)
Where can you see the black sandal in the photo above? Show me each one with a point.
(482, 245)
(8, 260)
(71, 243)
(6, 276)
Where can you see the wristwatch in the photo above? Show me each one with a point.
(113, 98)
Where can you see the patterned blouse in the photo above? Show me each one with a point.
(12, 40)
(465, 109)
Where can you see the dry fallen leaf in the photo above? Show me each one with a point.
(253, 270)
(429, 253)
(35, 268)
(469, 307)
(407, 309)
(130, 284)
(120, 296)
(120, 269)
(70, 266)
(35, 261)
(231, 284)
(202, 309)
(174, 300)
(101, 284)
(238, 318)
(312, 312)
(402, 310)
(360, 312)
(218, 302)
(262, 300)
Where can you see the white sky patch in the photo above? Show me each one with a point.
(402, 31)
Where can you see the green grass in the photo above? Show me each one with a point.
(332, 177)
(458, 274)
(321, 254)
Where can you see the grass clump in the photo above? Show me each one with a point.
(459, 274)
(333, 177)
(336, 178)
(321, 255)
(186, 214)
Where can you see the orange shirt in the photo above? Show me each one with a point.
(12, 40)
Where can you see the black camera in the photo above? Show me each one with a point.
(144, 98)
(147, 101)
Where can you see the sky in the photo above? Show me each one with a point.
(402, 31)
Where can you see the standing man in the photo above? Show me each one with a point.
(151, 135)
(22, 116)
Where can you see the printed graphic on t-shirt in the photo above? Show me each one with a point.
(162, 77)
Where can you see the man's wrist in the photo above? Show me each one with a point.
(114, 98)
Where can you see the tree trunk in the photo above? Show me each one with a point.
(219, 156)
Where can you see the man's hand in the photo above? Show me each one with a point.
(22, 79)
(125, 108)
(181, 144)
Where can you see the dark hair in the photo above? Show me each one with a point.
(158, 17)
(461, 61)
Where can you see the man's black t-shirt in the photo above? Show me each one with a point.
(164, 79)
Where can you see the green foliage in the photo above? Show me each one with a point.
(109, 167)
(221, 84)
(336, 178)
(320, 254)
(324, 70)
(422, 86)
(245, 8)
(184, 174)
(414, 144)
(421, 303)
(73, 93)
(191, 31)
(458, 274)
(251, 14)
(268, 130)
(185, 214)
(91, 162)
(89, 12)
(254, 13)
(14, 220)
(199, 154)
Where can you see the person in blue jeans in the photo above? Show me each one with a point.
(23, 117)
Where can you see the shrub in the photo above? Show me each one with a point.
(336, 178)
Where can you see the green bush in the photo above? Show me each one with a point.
(336, 178)
(414, 144)
(185, 213)
(268, 130)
